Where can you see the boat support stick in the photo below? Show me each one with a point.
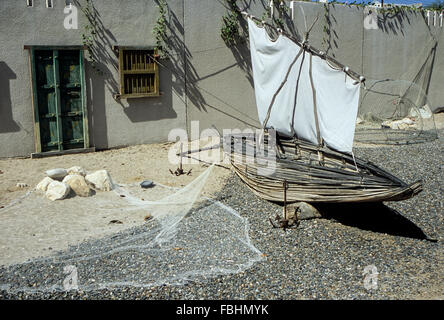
(285, 200)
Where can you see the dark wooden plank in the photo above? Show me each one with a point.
(60, 153)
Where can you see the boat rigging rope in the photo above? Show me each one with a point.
(296, 95)
(315, 109)
(280, 88)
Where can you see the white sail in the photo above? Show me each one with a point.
(337, 96)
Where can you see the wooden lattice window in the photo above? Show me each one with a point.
(139, 73)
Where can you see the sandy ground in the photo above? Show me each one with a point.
(30, 232)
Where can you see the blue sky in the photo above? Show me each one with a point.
(424, 2)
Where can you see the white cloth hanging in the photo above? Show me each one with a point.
(336, 98)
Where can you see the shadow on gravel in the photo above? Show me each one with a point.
(375, 217)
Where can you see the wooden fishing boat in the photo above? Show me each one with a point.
(313, 174)
(309, 102)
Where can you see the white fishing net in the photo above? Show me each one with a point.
(188, 238)
(394, 112)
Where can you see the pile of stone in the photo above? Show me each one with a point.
(59, 183)
(406, 123)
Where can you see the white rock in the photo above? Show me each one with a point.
(425, 112)
(43, 185)
(22, 185)
(101, 180)
(403, 126)
(57, 174)
(359, 120)
(76, 170)
(57, 190)
(399, 124)
(78, 184)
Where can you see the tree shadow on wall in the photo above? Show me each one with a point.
(179, 64)
(102, 72)
(281, 19)
(394, 22)
(100, 51)
(331, 34)
(240, 46)
(7, 123)
(186, 78)
(101, 65)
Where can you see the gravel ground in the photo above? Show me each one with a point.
(323, 258)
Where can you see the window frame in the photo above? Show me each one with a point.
(122, 94)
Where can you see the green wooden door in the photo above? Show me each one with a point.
(71, 102)
(59, 99)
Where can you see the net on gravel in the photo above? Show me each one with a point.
(189, 238)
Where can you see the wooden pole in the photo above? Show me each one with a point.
(285, 199)
(180, 163)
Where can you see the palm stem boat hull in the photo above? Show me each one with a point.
(314, 174)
